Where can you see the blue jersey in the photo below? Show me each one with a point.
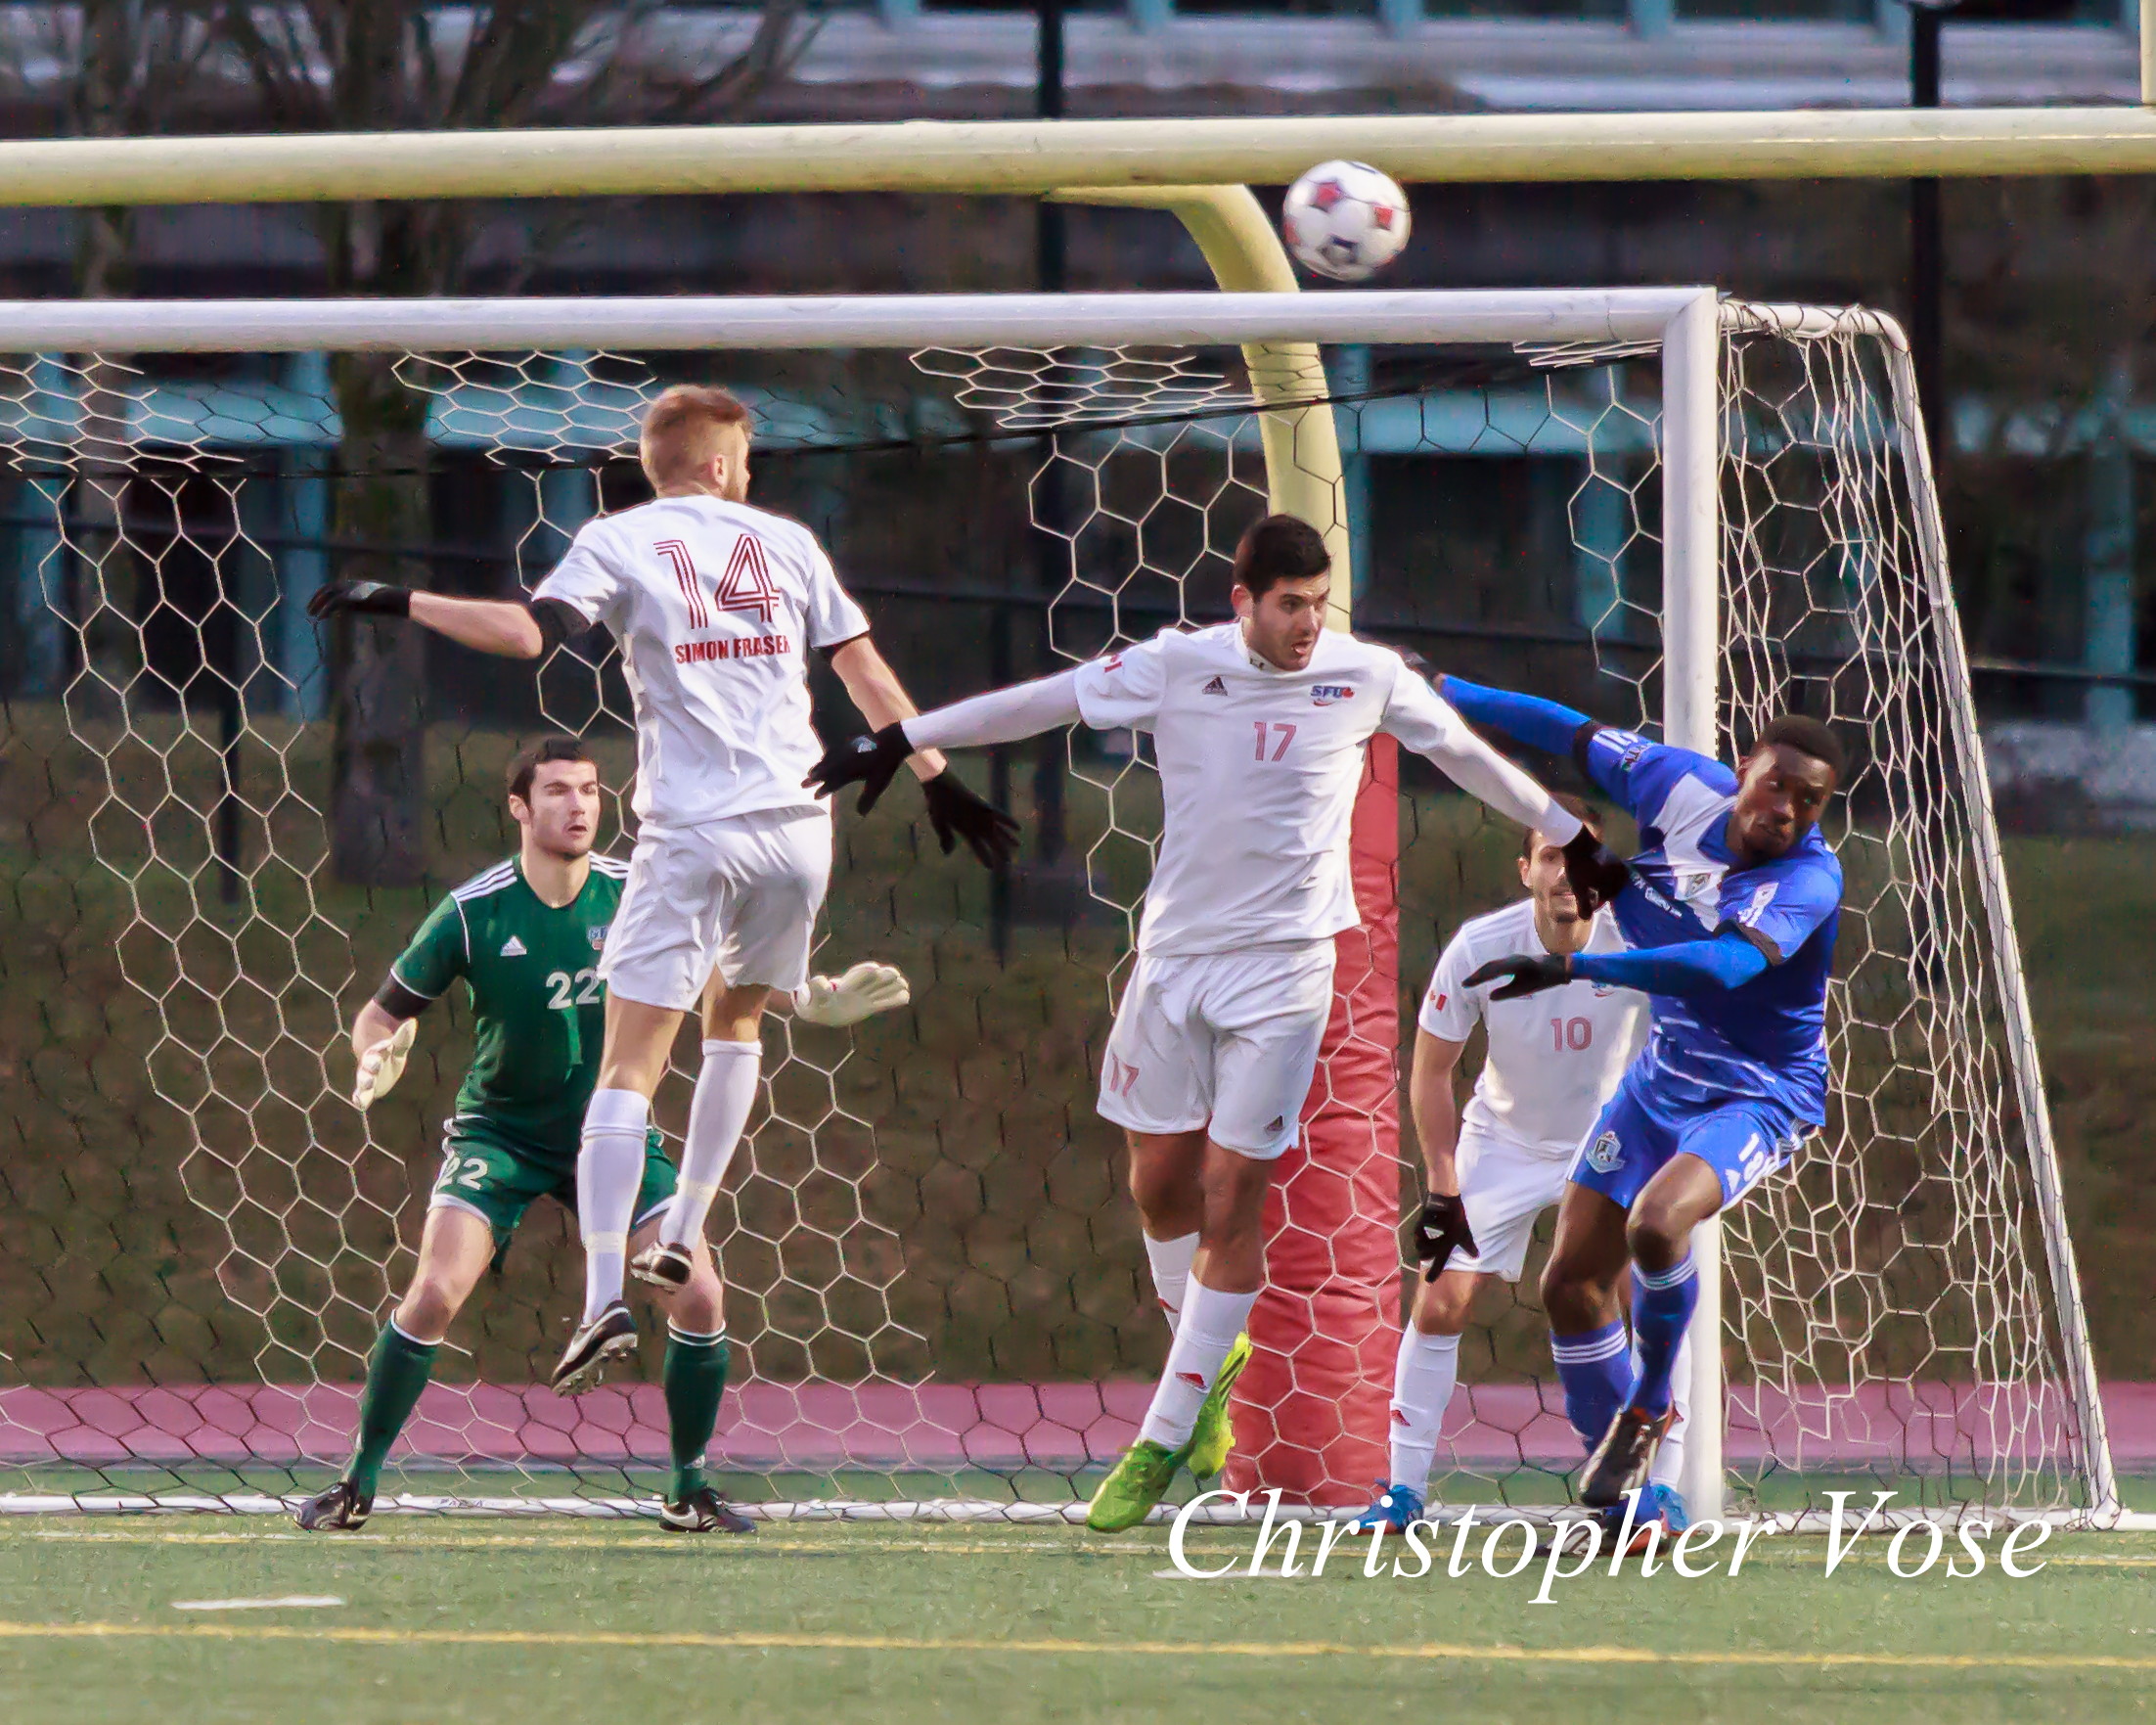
(1767, 1038)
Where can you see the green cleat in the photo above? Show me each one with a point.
(1214, 1435)
(1133, 1486)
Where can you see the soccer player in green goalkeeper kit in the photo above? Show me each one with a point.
(526, 936)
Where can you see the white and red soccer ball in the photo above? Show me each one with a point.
(1344, 219)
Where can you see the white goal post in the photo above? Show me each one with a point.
(2029, 1417)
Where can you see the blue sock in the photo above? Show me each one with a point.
(1661, 1307)
(1594, 1368)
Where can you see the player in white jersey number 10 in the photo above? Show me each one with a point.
(1550, 1064)
(1259, 726)
(715, 605)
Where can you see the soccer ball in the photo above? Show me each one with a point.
(1344, 219)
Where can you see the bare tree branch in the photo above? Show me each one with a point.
(279, 63)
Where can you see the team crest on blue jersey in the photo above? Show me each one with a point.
(1606, 1154)
(1326, 694)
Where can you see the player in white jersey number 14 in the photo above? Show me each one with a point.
(1550, 1064)
(716, 605)
(1259, 726)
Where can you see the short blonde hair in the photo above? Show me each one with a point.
(680, 431)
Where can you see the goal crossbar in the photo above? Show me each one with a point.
(973, 320)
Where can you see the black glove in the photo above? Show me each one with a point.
(1440, 1231)
(1523, 976)
(955, 813)
(372, 598)
(869, 762)
(1598, 874)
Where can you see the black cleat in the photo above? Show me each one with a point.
(1573, 1533)
(1620, 1462)
(703, 1510)
(343, 1509)
(584, 1361)
(663, 1265)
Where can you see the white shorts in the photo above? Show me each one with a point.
(1225, 1040)
(1504, 1188)
(738, 895)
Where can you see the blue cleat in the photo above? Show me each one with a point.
(1660, 1507)
(1395, 1508)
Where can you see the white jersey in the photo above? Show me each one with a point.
(715, 605)
(1259, 769)
(1556, 1056)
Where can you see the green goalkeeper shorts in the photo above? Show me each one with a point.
(496, 1177)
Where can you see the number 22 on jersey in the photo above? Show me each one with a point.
(565, 991)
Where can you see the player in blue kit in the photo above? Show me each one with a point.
(1731, 916)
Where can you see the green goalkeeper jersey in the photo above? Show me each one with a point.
(533, 972)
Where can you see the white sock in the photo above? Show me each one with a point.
(1171, 1265)
(1421, 1386)
(610, 1168)
(726, 1090)
(1669, 1460)
(1211, 1322)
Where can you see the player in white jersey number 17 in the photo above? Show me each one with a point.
(1259, 726)
(1549, 1065)
(716, 605)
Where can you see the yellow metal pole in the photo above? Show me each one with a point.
(1302, 445)
(1032, 158)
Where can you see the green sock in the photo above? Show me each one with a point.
(694, 1380)
(396, 1373)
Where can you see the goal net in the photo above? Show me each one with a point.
(222, 821)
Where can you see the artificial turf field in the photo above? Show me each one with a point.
(477, 1620)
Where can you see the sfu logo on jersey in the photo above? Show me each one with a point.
(1326, 694)
(746, 584)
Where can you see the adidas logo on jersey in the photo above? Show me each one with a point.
(513, 947)
(1216, 687)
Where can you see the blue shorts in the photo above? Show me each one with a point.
(1633, 1140)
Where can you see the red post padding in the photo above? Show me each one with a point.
(1310, 1409)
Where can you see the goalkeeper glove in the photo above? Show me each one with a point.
(1440, 1231)
(955, 813)
(382, 1065)
(1522, 975)
(869, 762)
(861, 993)
(371, 598)
(1597, 873)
